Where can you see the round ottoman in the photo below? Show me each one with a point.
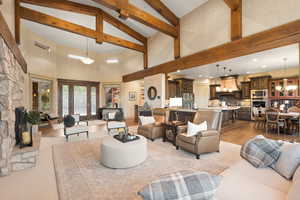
(118, 155)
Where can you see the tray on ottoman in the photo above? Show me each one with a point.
(126, 139)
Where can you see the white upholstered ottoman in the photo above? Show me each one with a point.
(118, 155)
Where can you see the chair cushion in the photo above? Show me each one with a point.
(115, 124)
(297, 174)
(147, 127)
(76, 129)
(188, 139)
(261, 152)
(178, 186)
(294, 193)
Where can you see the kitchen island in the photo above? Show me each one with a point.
(185, 115)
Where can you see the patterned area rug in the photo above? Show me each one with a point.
(80, 175)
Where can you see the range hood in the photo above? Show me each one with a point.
(228, 84)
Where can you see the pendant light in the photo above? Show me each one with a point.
(285, 87)
(86, 60)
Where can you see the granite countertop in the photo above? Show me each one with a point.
(209, 108)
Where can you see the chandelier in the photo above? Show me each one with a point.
(286, 86)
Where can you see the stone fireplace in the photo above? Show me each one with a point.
(12, 82)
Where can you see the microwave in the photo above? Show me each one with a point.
(259, 94)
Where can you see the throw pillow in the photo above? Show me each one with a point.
(69, 121)
(146, 120)
(288, 161)
(194, 129)
(261, 152)
(179, 186)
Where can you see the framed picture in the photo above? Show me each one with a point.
(132, 96)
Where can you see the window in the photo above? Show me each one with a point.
(78, 97)
(65, 100)
(80, 100)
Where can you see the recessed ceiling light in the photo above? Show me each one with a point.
(248, 72)
(200, 75)
(264, 66)
(255, 60)
(112, 61)
(178, 71)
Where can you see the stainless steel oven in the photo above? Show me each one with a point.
(259, 94)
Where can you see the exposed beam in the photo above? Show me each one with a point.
(99, 28)
(123, 43)
(11, 43)
(123, 5)
(273, 38)
(145, 56)
(232, 4)
(48, 20)
(87, 10)
(123, 27)
(236, 22)
(17, 21)
(164, 11)
(141, 16)
(177, 43)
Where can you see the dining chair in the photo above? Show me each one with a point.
(293, 122)
(259, 118)
(273, 120)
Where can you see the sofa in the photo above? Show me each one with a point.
(205, 141)
(243, 181)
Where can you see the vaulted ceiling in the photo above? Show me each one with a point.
(76, 41)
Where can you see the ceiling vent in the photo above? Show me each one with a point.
(42, 46)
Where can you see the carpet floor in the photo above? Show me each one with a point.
(80, 175)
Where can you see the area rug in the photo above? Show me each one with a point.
(80, 175)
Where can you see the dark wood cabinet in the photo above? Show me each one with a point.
(275, 93)
(213, 92)
(246, 89)
(244, 113)
(260, 83)
(177, 87)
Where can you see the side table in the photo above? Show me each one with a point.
(171, 126)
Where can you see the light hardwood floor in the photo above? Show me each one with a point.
(237, 133)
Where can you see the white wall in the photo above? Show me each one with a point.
(8, 11)
(201, 92)
(56, 64)
(159, 82)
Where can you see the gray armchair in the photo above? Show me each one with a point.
(205, 141)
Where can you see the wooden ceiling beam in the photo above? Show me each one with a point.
(236, 22)
(48, 20)
(142, 17)
(273, 38)
(87, 10)
(123, 43)
(233, 4)
(11, 43)
(164, 11)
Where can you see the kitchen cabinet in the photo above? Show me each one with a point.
(284, 83)
(246, 89)
(260, 83)
(213, 91)
(244, 113)
(177, 87)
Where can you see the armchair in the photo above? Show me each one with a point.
(205, 141)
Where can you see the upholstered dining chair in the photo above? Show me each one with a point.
(273, 120)
(205, 141)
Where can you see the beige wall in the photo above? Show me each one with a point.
(159, 82)
(56, 64)
(201, 92)
(209, 25)
(8, 11)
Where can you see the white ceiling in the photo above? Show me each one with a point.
(256, 63)
(76, 41)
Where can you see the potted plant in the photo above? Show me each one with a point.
(33, 118)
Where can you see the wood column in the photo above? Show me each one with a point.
(236, 22)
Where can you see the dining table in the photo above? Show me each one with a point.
(287, 116)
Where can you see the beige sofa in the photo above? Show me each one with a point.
(242, 181)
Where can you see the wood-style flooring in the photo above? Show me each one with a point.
(238, 132)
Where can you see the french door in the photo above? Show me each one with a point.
(78, 97)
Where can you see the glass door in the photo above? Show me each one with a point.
(78, 97)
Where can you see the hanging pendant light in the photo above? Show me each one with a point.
(86, 60)
(285, 87)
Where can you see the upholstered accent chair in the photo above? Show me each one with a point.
(205, 141)
(79, 127)
(154, 130)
